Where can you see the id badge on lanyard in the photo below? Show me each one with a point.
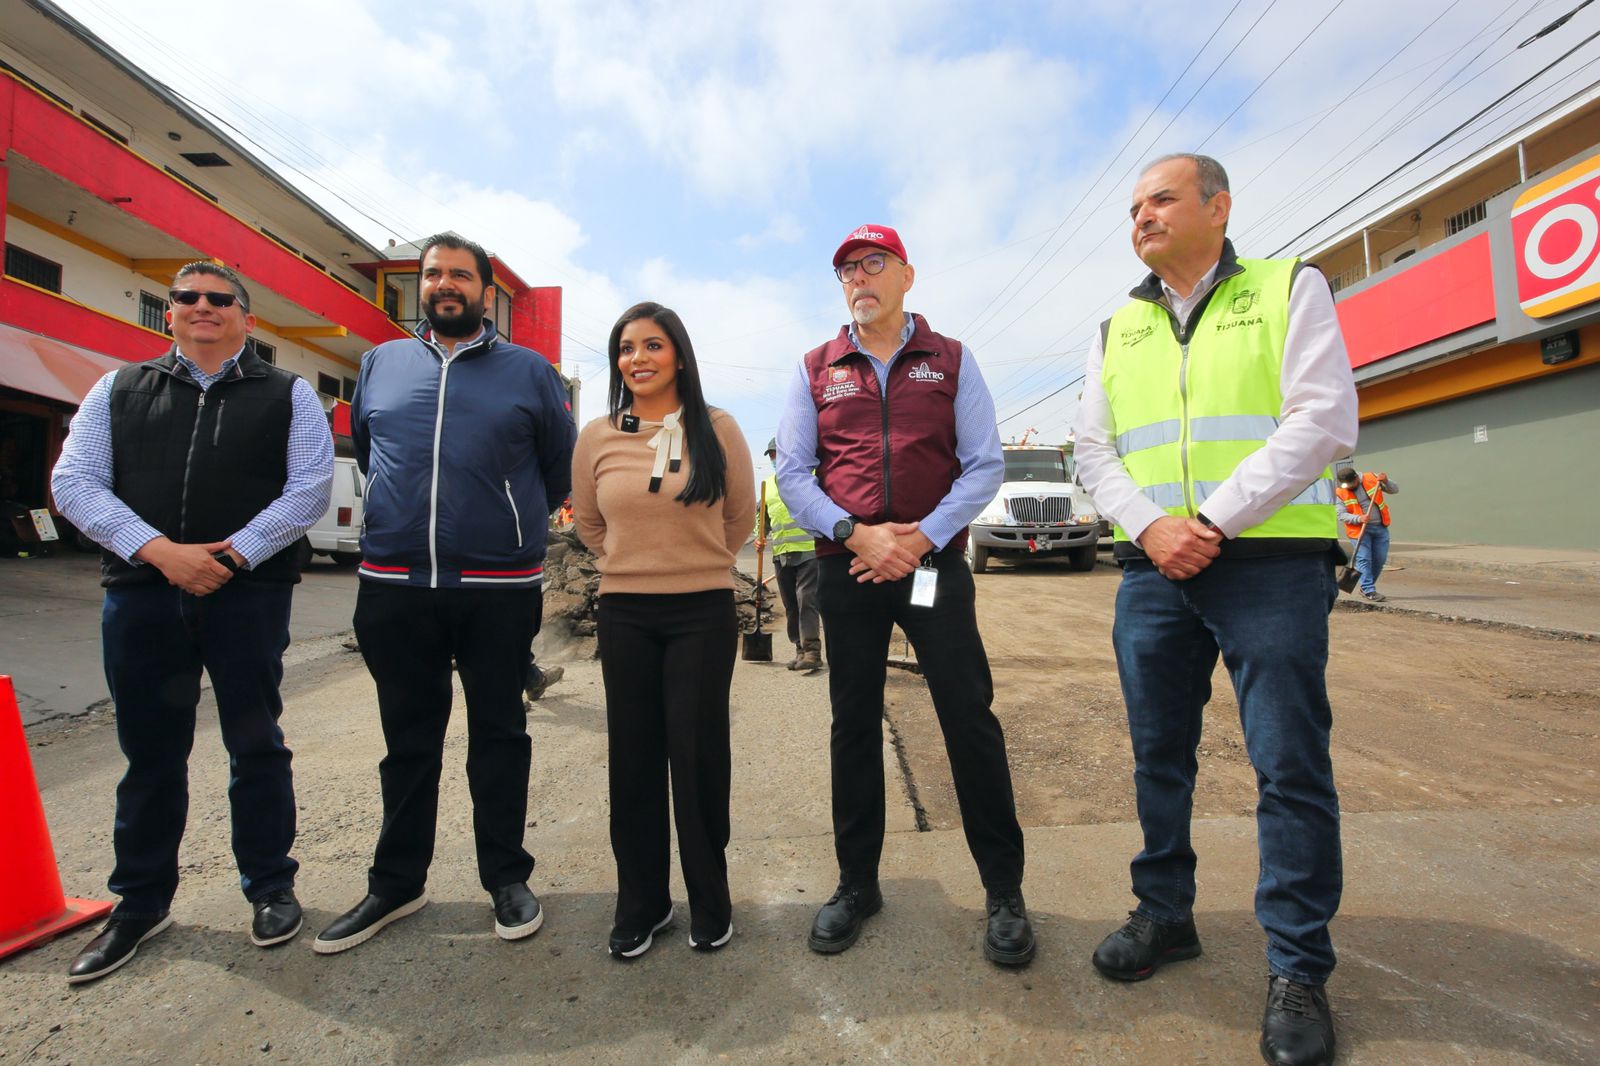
(923, 580)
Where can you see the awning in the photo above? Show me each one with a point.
(33, 363)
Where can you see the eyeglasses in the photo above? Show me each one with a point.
(870, 265)
(190, 297)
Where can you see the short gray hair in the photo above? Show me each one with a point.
(1213, 179)
(205, 266)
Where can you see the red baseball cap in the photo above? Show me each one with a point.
(871, 236)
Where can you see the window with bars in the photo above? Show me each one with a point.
(1346, 278)
(153, 312)
(1470, 217)
(36, 270)
(267, 352)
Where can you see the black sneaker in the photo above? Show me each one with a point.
(541, 678)
(1297, 1028)
(116, 943)
(1009, 940)
(277, 918)
(711, 942)
(626, 945)
(838, 923)
(1143, 945)
(362, 922)
(516, 912)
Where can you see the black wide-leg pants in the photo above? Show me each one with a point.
(667, 661)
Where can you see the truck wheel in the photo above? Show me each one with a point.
(346, 558)
(1082, 558)
(977, 557)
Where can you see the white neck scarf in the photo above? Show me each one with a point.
(668, 445)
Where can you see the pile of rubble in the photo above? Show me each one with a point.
(572, 586)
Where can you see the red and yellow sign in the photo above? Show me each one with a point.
(1555, 241)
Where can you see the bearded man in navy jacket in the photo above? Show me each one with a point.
(466, 442)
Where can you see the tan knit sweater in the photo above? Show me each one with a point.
(647, 541)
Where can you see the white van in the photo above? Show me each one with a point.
(338, 531)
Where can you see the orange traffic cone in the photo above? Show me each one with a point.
(32, 908)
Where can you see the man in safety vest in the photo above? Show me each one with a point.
(1356, 492)
(794, 564)
(1213, 405)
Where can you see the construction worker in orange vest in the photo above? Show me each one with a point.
(1356, 492)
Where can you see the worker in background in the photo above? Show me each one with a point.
(1357, 492)
(1214, 404)
(794, 564)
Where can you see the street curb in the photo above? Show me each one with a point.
(1422, 560)
(1544, 632)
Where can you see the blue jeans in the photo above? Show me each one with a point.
(157, 640)
(1371, 553)
(1268, 617)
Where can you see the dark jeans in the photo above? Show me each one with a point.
(1269, 619)
(408, 637)
(1371, 553)
(157, 640)
(667, 661)
(797, 587)
(857, 622)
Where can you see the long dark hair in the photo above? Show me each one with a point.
(708, 466)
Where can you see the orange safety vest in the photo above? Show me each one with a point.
(1369, 481)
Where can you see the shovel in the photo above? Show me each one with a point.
(1349, 576)
(758, 645)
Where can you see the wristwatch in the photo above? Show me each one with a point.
(226, 560)
(843, 528)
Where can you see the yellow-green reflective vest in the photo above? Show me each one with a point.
(1186, 414)
(782, 532)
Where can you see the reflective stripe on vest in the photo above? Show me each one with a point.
(783, 533)
(1187, 415)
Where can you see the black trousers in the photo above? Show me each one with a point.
(667, 662)
(408, 637)
(857, 621)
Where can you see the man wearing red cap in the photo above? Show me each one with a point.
(887, 449)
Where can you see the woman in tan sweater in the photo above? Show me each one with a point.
(662, 490)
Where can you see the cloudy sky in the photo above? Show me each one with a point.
(712, 155)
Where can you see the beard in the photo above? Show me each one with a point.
(463, 323)
(863, 313)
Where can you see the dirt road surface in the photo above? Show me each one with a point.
(1467, 758)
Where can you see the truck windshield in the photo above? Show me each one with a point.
(1035, 466)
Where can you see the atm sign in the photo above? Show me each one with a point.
(1555, 237)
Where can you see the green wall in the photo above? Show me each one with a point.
(1535, 482)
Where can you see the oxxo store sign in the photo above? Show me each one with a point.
(1555, 238)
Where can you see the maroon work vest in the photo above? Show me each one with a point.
(886, 456)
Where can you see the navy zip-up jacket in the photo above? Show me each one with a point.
(465, 457)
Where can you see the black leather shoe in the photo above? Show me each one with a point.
(1297, 1029)
(362, 922)
(516, 912)
(1009, 940)
(277, 918)
(1143, 945)
(116, 943)
(626, 944)
(838, 923)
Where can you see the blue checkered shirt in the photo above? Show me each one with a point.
(82, 480)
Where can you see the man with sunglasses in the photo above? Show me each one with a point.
(198, 473)
(887, 449)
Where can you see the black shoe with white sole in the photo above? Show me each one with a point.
(630, 945)
(516, 912)
(116, 943)
(277, 918)
(362, 922)
(711, 941)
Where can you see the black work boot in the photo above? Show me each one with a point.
(1143, 945)
(1009, 938)
(1297, 1028)
(838, 923)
